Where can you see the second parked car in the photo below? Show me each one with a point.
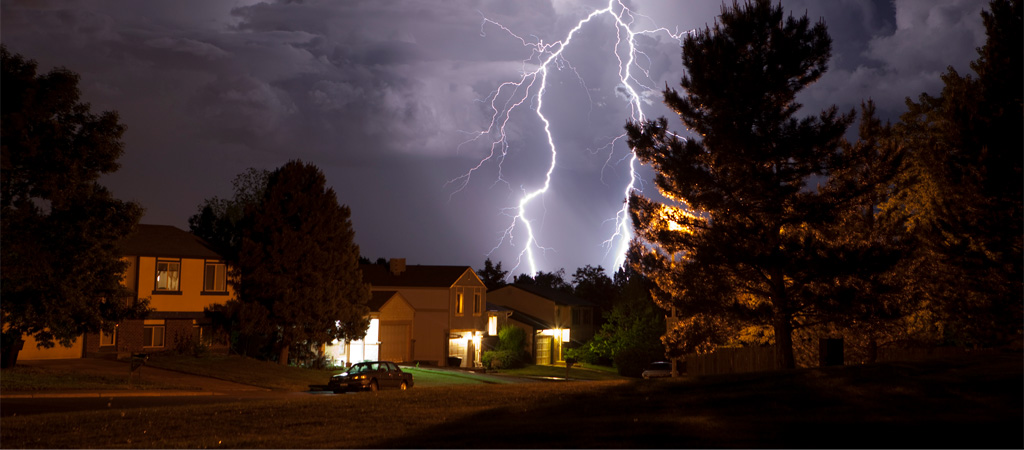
(371, 376)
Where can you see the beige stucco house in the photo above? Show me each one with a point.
(550, 318)
(180, 275)
(449, 306)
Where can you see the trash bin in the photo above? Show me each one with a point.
(454, 361)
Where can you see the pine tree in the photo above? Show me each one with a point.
(298, 261)
(745, 239)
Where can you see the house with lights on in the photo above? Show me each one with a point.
(551, 319)
(430, 314)
(180, 275)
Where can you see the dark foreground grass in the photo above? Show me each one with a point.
(973, 402)
(27, 379)
(239, 369)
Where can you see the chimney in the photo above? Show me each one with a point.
(397, 266)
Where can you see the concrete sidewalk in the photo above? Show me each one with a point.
(184, 384)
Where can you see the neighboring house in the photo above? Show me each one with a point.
(450, 304)
(388, 338)
(180, 275)
(550, 318)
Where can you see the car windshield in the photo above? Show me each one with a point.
(661, 366)
(357, 369)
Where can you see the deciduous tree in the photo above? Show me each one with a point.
(61, 268)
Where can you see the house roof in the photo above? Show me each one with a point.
(165, 240)
(414, 276)
(558, 297)
(379, 298)
(520, 316)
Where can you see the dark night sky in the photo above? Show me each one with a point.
(384, 97)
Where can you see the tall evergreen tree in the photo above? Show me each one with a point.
(299, 263)
(745, 239)
(61, 268)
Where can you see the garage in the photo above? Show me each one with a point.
(394, 342)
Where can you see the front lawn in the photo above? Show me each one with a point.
(29, 378)
(240, 369)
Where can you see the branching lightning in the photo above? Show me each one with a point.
(529, 90)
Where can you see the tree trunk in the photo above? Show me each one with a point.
(784, 341)
(282, 357)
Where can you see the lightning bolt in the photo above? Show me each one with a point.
(529, 90)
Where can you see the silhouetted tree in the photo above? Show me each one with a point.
(299, 263)
(591, 283)
(492, 275)
(61, 269)
(749, 245)
(218, 220)
(551, 280)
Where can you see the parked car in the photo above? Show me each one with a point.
(371, 376)
(660, 369)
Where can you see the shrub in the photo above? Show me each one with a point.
(502, 359)
(631, 361)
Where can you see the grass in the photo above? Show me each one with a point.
(240, 369)
(26, 378)
(971, 402)
(585, 372)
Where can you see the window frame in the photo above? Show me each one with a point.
(152, 328)
(460, 303)
(156, 277)
(112, 335)
(206, 267)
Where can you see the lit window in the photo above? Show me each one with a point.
(492, 325)
(477, 303)
(153, 336)
(458, 303)
(216, 277)
(168, 275)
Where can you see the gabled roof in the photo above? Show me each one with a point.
(414, 276)
(167, 241)
(379, 298)
(558, 297)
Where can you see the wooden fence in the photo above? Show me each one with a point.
(732, 360)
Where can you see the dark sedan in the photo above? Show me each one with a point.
(371, 376)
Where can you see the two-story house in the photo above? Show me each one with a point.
(180, 275)
(552, 318)
(450, 310)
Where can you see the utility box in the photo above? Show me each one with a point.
(830, 352)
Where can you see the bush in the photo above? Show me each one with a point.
(512, 339)
(502, 359)
(631, 361)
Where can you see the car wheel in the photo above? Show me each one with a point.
(374, 386)
(405, 386)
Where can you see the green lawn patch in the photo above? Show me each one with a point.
(585, 372)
